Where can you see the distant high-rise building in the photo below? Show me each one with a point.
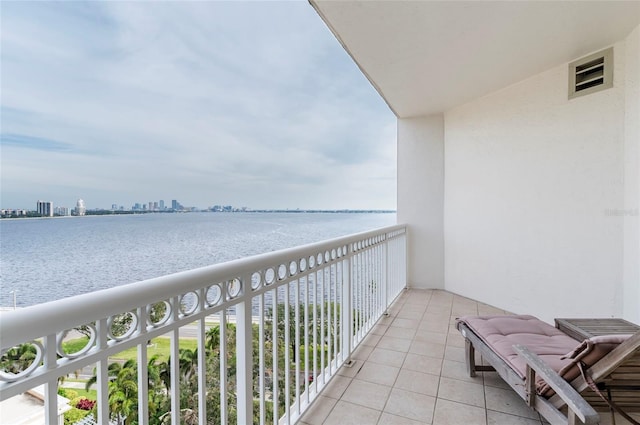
(161, 205)
(80, 209)
(61, 211)
(45, 208)
(174, 204)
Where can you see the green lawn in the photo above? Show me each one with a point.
(159, 346)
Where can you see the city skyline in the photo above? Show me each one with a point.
(245, 103)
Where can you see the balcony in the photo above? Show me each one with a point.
(374, 351)
(410, 370)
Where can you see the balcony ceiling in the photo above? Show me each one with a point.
(426, 57)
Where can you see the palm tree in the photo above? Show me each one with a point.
(18, 358)
(123, 391)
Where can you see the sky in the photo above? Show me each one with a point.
(237, 103)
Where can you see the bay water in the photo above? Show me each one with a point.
(52, 258)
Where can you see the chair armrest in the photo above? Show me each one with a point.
(569, 395)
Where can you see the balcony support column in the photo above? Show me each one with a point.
(421, 197)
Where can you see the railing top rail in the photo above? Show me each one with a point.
(33, 322)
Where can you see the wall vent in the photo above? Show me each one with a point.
(591, 74)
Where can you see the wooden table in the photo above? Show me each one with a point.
(582, 329)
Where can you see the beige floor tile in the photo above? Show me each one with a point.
(417, 382)
(345, 413)
(419, 308)
(350, 372)
(396, 332)
(408, 404)
(432, 317)
(386, 320)
(389, 419)
(410, 314)
(397, 344)
(423, 364)
(367, 394)
(428, 336)
(336, 387)
(419, 298)
(492, 379)
(463, 310)
(319, 410)
(399, 322)
(507, 401)
(497, 418)
(371, 339)
(455, 354)
(395, 309)
(387, 357)
(439, 308)
(432, 326)
(362, 352)
(452, 413)
(455, 339)
(379, 329)
(378, 373)
(457, 370)
(430, 349)
(461, 391)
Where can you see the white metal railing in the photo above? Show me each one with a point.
(271, 331)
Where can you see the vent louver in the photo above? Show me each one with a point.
(591, 74)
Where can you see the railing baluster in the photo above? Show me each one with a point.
(244, 361)
(223, 368)
(327, 297)
(174, 347)
(322, 341)
(297, 346)
(143, 372)
(306, 338)
(51, 388)
(345, 311)
(202, 370)
(314, 284)
(102, 373)
(275, 355)
(287, 349)
(261, 331)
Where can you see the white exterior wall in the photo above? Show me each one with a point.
(421, 197)
(529, 179)
(631, 210)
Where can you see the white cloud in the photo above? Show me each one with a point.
(244, 103)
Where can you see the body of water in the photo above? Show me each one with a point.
(49, 259)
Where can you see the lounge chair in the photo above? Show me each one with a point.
(561, 378)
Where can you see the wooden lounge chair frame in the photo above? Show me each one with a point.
(618, 371)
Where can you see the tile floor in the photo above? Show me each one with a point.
(410, 370)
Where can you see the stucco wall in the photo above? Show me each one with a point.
(421, 197)
(530, 180)
(631, 210)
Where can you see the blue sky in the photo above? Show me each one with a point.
(244, 103)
